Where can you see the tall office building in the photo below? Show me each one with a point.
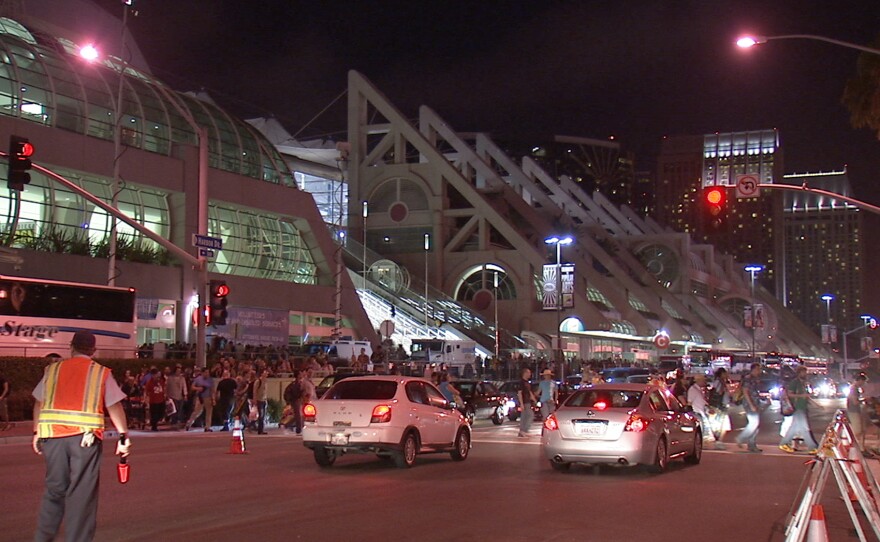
(824, 252)
(751, 233)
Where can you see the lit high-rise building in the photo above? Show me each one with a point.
(688, 164)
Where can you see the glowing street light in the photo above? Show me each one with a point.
(559, 242)
(827, 299)
(749, 41)
(89, 52)
(752, 270)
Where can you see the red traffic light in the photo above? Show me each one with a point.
(715, 196)
(23, 149)
(222, 290)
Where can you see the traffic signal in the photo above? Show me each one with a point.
(715, 207)
(20, 152)
(217, 302)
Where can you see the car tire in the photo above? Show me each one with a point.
(324, 457)
(661, 457)
(696, 455)
(409, 449)
(498, 416)
(560, 467)
(461, 446)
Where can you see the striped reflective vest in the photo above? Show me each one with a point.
(73, 401)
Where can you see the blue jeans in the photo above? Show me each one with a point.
(525, 418)
(800, 426)
(750, 433)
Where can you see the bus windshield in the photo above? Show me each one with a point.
(39, 317)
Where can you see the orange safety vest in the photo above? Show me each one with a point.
(73, 401)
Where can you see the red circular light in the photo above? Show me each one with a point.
(26, 150)
(222, 290)
(715, 196)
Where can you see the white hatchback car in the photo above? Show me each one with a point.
(391, 416)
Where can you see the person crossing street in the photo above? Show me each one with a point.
(69, 407)
(800, 423)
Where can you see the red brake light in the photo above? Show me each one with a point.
(381, 414)
(309, 412)
(600, 405)
(636, 424)
(551, 423)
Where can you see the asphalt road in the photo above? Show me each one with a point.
(185, 486)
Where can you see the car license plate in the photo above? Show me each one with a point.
(339, 440)
(591, 428)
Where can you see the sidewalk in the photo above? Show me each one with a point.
(20, 432)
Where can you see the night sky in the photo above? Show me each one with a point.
(637, 70)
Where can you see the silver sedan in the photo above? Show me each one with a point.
(622, 424)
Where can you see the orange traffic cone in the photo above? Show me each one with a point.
(816, 530)
(237, 444)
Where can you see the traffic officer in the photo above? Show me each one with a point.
(68, 431)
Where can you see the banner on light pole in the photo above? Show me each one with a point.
(550, 299)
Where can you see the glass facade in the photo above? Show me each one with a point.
(51, 217)
(44, 80)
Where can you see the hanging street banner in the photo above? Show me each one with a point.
(551, 299)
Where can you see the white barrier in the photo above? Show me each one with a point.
(840, 455)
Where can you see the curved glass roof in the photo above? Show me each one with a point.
(44, 79)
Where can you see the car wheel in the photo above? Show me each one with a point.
(406, 457)
(462, 445)
(697, 454)
(498, 417)
(560, 467)
(324, 457)
(661, 457)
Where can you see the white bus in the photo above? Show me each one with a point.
(39, 317)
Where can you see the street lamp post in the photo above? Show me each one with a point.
(753, 270)
(746, 42)
(827, 299)
(559, 242)
(497, 332)
(364, 262)
(427, 248)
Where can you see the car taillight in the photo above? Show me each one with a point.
(381, 414)
(551, 423)
(309, 412)
(636, 424)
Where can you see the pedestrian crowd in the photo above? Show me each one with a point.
(186, 397)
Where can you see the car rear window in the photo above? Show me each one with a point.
(612, 398)
(363, 389)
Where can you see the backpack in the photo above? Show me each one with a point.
(293, 392)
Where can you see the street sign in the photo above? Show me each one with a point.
(203, 241)
(207, 253)
(747, 186)
(386, 328)
(661, 341)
